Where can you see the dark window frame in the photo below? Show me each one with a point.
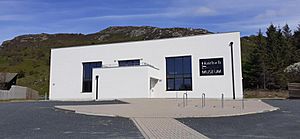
(87, 81)
(185, 76)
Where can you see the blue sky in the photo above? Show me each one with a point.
(19, 17)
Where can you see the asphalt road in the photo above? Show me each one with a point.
(41, 120)
(280, 124)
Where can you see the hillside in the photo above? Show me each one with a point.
(29, 55)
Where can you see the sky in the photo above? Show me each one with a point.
(19, 17)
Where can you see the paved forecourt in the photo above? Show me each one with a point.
(154, 117)
(174, 108)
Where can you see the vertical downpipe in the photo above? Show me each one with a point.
(97, 79)
(232, 69)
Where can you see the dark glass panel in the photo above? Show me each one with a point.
(188, 83)
(187, 65)
(170, 84)
(178, 65)
(123, 63)
(170, 65)
(179, 84)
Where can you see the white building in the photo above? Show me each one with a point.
(165, 68)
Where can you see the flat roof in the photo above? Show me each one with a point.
(200, 35)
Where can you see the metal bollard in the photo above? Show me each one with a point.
(177, 99)
(222, 101)
(243, 105)
(203, 100)
(46, 97)
(185, 97)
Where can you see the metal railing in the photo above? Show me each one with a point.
(129, 65)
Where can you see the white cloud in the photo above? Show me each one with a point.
(14, 17)
(268, 14)
(125, 16)
(204, 11)
(169, 13)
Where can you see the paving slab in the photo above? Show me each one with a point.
(165, 128)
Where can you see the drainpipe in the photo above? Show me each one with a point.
(97, 78)
(232, 69)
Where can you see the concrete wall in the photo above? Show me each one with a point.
(18, 92)
(66, 65)
(127, 80)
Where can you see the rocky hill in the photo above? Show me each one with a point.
(108, 35)
(29, 55)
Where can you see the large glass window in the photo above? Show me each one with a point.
(135, 62)
(88, 75)
(179, 73)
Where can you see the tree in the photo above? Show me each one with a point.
(288, 46)
(296, 43)
(262, 57)
(271, 57)
(252, 69)
(277, 52)
(287, 32)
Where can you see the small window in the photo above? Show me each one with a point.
(88, 75)
(123, 63)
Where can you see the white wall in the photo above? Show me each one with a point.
(66, 64)
(127, 82)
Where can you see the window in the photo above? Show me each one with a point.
(179, 73)
(135, 62)
(88, 75)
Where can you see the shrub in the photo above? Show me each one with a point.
(293, 72)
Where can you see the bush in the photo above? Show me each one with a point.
(293, 72)
(21, 74)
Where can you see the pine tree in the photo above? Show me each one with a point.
(290, 49)
(287, 32)
(271, 58)
(262, 54)
(276, 57)
(252, 69)
(296, 43)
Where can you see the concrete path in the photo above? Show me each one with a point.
(165, 128)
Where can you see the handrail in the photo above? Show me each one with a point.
(129, 65)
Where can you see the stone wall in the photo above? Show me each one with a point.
(18, 92)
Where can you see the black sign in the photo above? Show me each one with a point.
(212, 66)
